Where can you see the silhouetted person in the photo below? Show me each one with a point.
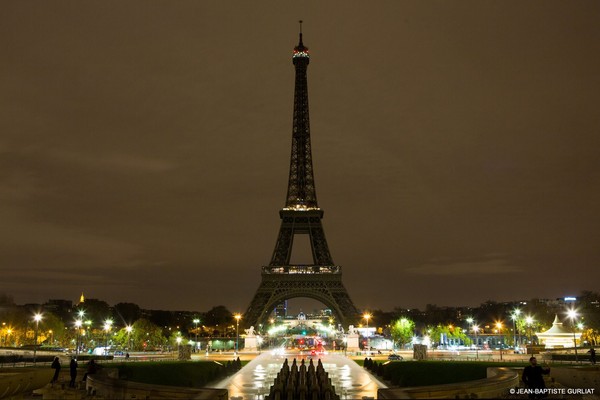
(56, 366)
(73, 371)
(592, 352)
(533, 377)
(92, 368)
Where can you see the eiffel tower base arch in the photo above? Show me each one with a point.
(290, 282)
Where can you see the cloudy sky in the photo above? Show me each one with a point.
(144, 148)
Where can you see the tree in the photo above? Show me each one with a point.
(218, 315)
(146, 336)
(402, 331)
(590, 311)
(16, 322)
(443, 334)
(51, 330)
(528, 327)
(590, 336)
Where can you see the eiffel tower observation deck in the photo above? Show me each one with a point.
(321, 280)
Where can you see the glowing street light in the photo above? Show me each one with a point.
(529, 322)
(37, 318)
(107, 325)
(572, 315)
(237, 332)
(515, 316)
(196, 321)
(476, 330)
(499, 327)
(78, 324)
(128, 329)
(368, 316)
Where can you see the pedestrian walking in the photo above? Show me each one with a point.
(73, 371)
(592, 352)
(56, 366)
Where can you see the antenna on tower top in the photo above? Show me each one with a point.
(300, 42)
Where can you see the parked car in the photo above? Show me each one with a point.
(395, 357)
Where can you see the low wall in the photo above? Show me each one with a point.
(587, 377)
(497, 384)
(112, 388)
(14, 382)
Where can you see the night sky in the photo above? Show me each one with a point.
(144, 148)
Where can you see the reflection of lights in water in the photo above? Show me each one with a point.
(348, 381)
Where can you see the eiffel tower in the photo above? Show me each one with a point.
(301, 215)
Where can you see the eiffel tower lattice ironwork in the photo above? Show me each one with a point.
(281, 280)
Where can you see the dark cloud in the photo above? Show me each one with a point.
(466, 268)
(144, 148)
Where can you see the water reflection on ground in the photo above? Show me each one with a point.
(254, 380)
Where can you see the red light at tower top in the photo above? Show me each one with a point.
(300, 52)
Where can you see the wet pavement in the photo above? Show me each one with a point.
(254, 380)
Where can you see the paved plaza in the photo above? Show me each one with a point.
(254, 380)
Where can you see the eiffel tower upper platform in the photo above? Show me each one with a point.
(281, 280)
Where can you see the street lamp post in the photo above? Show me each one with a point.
(237, 332)
(572, 314)
(37, 318)
(86, 335)
(580, 327)
(107, 324)
(529, 322)
(78, 324)
(367, 316)
(476, 330)
(129, 328)
(178, 340)
(499, 327)
(515, 316)
(196, 322)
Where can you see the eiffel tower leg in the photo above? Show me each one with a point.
(319, 246)
(283, 247)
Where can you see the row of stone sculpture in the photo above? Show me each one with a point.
(302, 383)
